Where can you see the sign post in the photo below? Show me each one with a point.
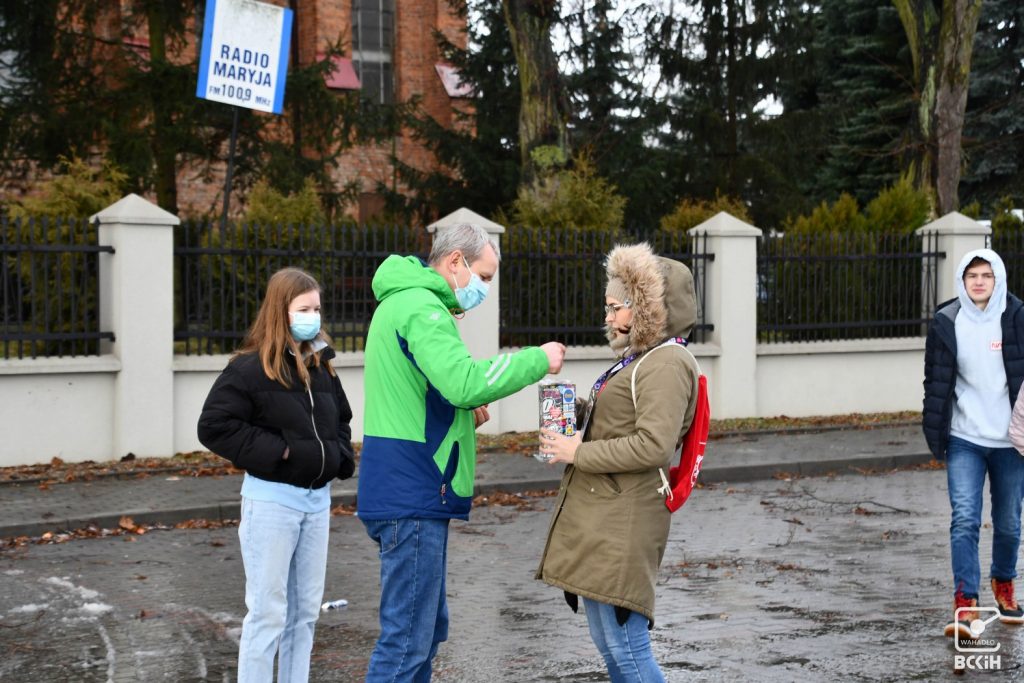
(244, 62)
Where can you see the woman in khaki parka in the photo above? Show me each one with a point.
(610, 524)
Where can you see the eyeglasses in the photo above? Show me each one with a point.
(612, 309)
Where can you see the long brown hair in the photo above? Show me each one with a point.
(270, 335)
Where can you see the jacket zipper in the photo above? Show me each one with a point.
(323, 453)
(448, 474)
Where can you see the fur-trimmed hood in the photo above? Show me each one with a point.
(661, 295)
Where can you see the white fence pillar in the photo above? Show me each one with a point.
(731, 306)
(137, 304)
(479, 328)
(957, 234)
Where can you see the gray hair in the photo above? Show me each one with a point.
(469, 239)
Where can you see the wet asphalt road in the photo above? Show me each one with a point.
(820, 579)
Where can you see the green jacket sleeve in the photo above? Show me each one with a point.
(663, 393)
(441, 355)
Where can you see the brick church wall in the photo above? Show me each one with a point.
(321, 23)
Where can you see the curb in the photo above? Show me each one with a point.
(814, 468)
(189, 470)
(812, 429)
(219, 512)
(713, 474)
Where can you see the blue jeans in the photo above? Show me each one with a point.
(285, 556)
(413, 605)
(966, 466)
(626, 649)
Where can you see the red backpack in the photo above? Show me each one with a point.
(683, 477)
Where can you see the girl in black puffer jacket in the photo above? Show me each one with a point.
(278, 412)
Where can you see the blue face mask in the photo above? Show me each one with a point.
(475, 291)
(305, 326)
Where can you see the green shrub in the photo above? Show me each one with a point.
(49, 292)
(547, 158)
(268, 206)
(843, 267)
(899, 209)
(1007, 239)
(690, 213)
(571, 198)
(841, 216)
(560, 228)
(56, 291)
(1003, 219)
(77, 190)
(972, 210)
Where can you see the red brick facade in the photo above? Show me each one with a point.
(320, 23)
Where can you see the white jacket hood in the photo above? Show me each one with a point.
(997, 303)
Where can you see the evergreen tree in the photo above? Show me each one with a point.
(77, 85)
(49, 83)
(609, 109)
(864, 70)
(721, 62)
(479, 153)
(73, 81)
(994, 131)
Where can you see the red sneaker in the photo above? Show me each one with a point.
(961, 624)
(1009, 611)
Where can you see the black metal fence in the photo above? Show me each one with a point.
(845, 286)
(552, 282)
(49, 277)
(810, 288)
(1009, 244)
(220, 278)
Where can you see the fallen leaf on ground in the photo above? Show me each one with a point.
(523, 500)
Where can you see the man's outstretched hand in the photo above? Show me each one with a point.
(556, 356)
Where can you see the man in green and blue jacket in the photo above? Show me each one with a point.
(425, 397)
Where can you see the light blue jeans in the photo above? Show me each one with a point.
(413, 605)
(285, 556)
(966, 467)
(626, 649)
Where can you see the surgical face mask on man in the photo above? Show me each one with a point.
(475, 291)
(304, 326)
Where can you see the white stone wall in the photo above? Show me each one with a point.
(137, 397)
(57, 408)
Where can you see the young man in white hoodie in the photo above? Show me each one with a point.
(974, 367)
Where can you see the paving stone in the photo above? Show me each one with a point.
(841, 578)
